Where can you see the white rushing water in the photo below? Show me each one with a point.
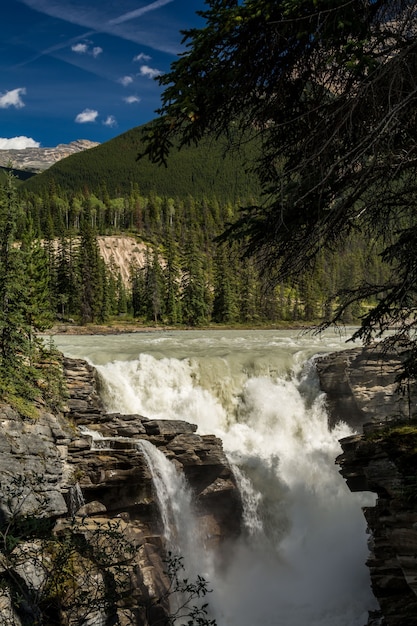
(302, 558)
(174, 499)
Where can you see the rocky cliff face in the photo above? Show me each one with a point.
(83, 471)
(361, 390)
(360, 386)
(85, 468)
(39, 159)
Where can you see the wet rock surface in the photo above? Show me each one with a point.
(111, 463)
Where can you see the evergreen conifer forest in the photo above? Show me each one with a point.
(187, 276)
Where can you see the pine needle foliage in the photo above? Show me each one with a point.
(330, 90)
(24, 311)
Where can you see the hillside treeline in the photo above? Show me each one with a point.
(207, 169)
(187, 276)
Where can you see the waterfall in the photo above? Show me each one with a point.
(310, 521)
(174, 499)
(250, 501)
(180, 527)
(302, 558)
(75, 499)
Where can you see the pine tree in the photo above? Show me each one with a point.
(90, 273)
(14, 343)
(23, 303)
(195, 292)
(122, 303)
(249, 287)
(172, 279)
(155, 286)
(149, 288)
(137, 278)
(225, 307)
(37, 305)
(66, 280)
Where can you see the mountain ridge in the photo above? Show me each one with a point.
(37, 160)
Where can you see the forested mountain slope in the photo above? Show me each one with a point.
(165, 263)
(207, 170)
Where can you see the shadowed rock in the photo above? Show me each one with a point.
(85, 467)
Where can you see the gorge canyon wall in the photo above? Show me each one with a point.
(84, 472)
(361, 390)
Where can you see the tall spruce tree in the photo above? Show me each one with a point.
(225, 304)
(329, 89)
(66, 283)
(249, 288)
(14, 333)
(37, 305)
(137, 279)
(172, 278)
(90, 273)
(155, 287)
(196, 308)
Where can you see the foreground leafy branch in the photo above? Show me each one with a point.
(182, 593)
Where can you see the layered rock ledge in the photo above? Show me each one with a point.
(381, 458)
(361, 387)
(113, 475)
(86, 464)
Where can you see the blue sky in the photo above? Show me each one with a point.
(84, 69)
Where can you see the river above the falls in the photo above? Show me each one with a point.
(301, 560)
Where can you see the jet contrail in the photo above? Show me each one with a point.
(138, 12)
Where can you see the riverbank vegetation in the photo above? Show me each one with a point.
(30, 374)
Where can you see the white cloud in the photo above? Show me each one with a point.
(149, 72)
(88, 115)
(110, 121)
(12, 98)
(142, 57)
(18, 143)
(125, 80)
(84, 48)
(80, 48)
(131, 99)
